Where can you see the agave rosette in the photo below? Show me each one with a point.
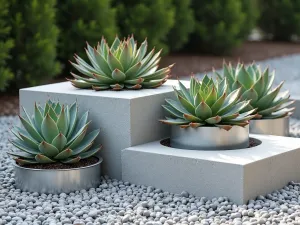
(123, 65)
(257, 87)
(53, 134)
(207, 103)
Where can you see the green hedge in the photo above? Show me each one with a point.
(35, 34)
(251, 10)
(146, 18)
(33, 45)
(280, 18)
(81, 21)
(218, 26)
(5, 45)
(183, 26)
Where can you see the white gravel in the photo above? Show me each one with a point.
(117, 202)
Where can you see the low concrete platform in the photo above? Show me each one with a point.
(240, 174)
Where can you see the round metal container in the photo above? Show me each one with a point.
(279, 127)
(210, 138)
(55, 181)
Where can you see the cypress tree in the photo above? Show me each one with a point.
(82, 21)
(146, 18)
(35, 33)
(184, 25)
(5, 45)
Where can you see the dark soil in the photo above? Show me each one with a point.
(9, 105)
(186, 64)
(252, 142)
(57, 166)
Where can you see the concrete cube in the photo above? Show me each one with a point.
(238, 174)
(126, 118)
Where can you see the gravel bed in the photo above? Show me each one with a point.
(117, 202)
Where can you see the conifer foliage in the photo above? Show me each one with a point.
(5, 45)
(35, 35)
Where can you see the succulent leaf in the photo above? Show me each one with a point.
(214, 120)
(172, 111)
(71, 160)
(24, 161)
(38, 117)
(31, 130)
(118, 75)
(72, 118)
(62, 122)
(48, 149)
(118, 65)
(21, 155)
(203, 111)
(40, 158)
(207, 103)
(78, 138)
(59, 141)
(44, 140)
(257, 87)
(90, 152)
(64, 154)
(101, 78)
(49, 128)
(23, 147)
(29, 141)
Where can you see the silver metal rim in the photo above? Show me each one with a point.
(55, 181)
(278, 127)
(79, 168)
(209, 138)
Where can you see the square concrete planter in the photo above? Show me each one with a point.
(126, 118)
(238, 174)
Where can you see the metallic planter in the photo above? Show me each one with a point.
(279, 127)
(209, 138)
(52, 181)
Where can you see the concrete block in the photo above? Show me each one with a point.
(296, 113)
(126, 118)
(238, 174)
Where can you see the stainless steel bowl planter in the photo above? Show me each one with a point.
(279, 127)
(55, 181)
(209, 138)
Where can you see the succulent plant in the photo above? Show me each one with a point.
(122, 65)
(256, 86)
(207, 103)
(53, 134)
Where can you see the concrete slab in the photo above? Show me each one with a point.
(126, 118)
(238, 174)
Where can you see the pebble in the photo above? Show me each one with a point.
(193, 218)
(117, 202)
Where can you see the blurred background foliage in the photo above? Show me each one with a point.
(280, 19)
(38, 38)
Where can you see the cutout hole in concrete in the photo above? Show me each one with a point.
(252, 143)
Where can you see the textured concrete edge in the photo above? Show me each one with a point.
(273, 172)
(142, 123)
(296, 113)
(177, 174)
(152, 164)
(67, 88)
(245, 156)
